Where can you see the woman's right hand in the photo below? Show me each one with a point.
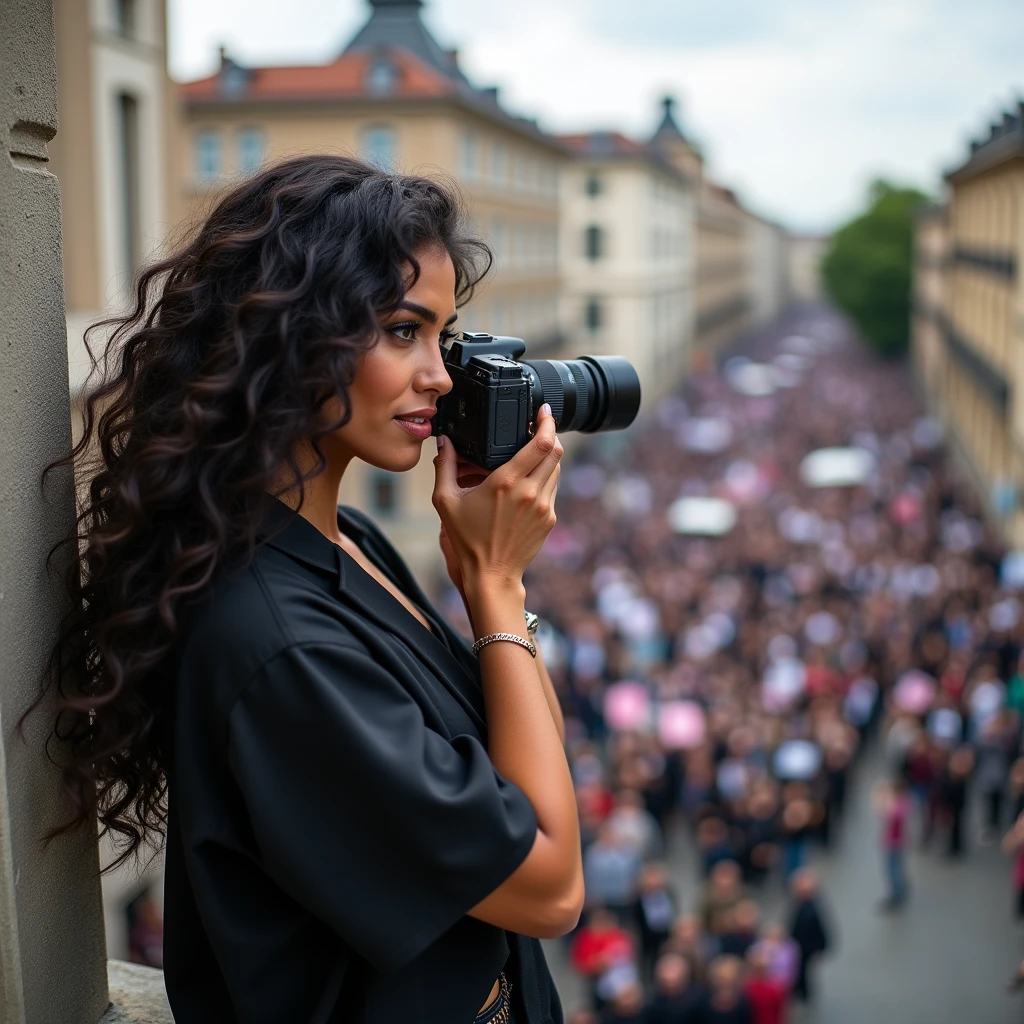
(496, 528)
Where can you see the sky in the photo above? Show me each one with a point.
(797, 104)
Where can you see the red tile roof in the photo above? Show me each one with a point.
(343, 78)
(604, 144)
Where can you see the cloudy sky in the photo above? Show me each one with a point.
(797, 103)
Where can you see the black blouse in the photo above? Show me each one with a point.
(333, 810)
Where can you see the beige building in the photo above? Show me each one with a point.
(805, 253)
(768, 269)
(722, 275)
(969, 315)
(396, 98)
(627, 244)
(110, 153)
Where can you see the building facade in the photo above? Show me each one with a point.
(110, 155)
(396, 98)
(627, 243)
(804, 256)
(969, 316)
(768, 269)
(722, 266)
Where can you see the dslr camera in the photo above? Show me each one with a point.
(491, 410)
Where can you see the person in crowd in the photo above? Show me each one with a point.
(635, 826)
(674, 996)
(782, 955)
(611, 871)
(694, 945)
(808, 928)
(1013, 844)
(742, 930)
(723, 891)
(625, 1006)
(655, 910)
(766, 994)
(954, 796)
(891, 800)
(993, 751)
(724, 1002)
(599, 947)
(1015, 787)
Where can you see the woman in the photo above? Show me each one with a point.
(365, 821)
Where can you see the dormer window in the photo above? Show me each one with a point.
(233, 79)
(382, 76)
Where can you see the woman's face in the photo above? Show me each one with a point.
(401, 378)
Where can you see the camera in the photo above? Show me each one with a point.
(490, 412)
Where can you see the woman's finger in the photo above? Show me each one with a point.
(533, 454)
(548, 464)
(549, 488)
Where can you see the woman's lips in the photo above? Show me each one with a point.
(420, 430)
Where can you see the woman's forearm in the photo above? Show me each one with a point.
(524, 741)
(554, 704)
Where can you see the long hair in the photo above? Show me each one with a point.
(208, 388)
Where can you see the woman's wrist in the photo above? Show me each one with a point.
(496, 606)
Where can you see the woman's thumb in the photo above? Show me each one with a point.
(445, 468)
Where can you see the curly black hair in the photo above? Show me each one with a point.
(207, 390)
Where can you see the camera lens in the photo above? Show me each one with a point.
(588, 394)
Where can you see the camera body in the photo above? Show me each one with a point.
(490, 412)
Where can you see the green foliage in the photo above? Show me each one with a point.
(867, 269)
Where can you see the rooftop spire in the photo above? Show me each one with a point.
(398, 23)
(668, 121)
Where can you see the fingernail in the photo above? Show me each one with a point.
(546, 409)
(440, 441)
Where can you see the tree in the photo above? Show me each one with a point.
(867, 270)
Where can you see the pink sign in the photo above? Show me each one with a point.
(627, 706)
(914, 692)
(681, 725)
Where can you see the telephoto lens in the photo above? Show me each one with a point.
(588, 394)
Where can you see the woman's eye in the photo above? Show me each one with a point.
(447, 336)
(407, 332)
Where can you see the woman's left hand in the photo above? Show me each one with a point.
(468, 475)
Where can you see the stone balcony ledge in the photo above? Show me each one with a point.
(137, 995)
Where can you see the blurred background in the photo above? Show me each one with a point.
(782, 610)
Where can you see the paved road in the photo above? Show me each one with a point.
(943, 960)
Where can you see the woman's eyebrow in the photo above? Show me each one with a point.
(428, 314)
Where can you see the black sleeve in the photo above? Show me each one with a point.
(378, 825)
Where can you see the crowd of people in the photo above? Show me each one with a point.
(721, 672)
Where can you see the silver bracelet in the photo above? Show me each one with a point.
(491, 637)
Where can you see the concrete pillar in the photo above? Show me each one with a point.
(52, 956)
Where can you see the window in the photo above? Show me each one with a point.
(592, 186)
(380, 146)
(469, 156)
(593, 314)
(383, 492)
(124, 18)
(593, 243)
(499, 163)
(208, 162)
(382, 76)
(251, 146)
(128, 145)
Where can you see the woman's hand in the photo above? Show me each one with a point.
(467, 476)
(491, 530)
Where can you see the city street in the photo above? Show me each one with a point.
(946, 957)
(944, 960)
